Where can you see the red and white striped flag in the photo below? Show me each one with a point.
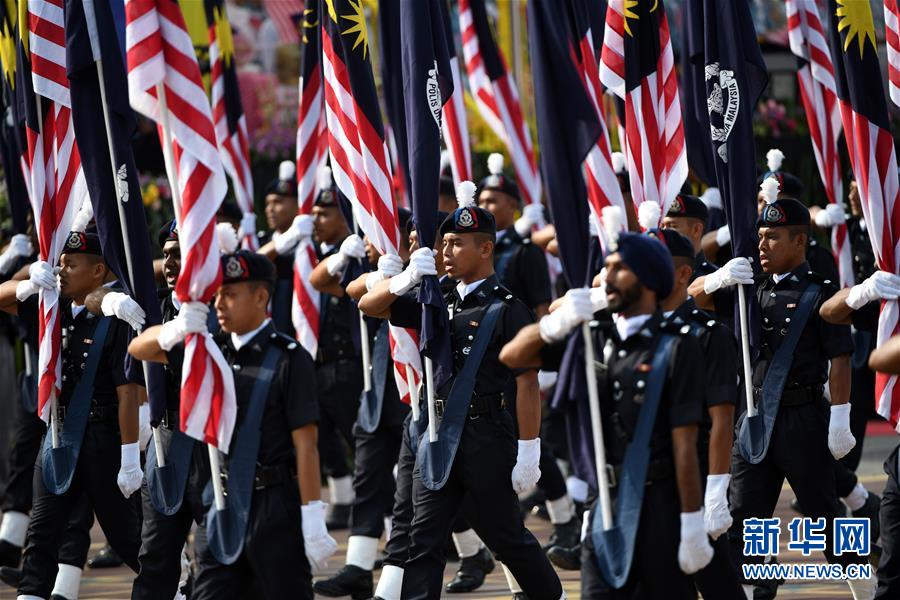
(892, 39)
(161, 59)
(358, 149)
(496, 95)
(454, 128)
(229, 119)
(654, 133)
(312, 148)
(817, 91)
(57, 181)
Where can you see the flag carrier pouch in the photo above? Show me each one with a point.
(60, 457)
(91, 21)
(371, 401)
(614, 545)
(215, 463)
(756, 430)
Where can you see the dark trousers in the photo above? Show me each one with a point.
(482, 469)
(655, 574)
(339, 385)
(273, 564)
(95, 476)
(719, 580)
(373, 477)
(76, 540)
(798, 451)
(396, 551)
(888, 572)
(28, 429)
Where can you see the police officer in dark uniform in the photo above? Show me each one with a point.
(688, 215)
(484, 465)
(109, 409)
(637, 274)
(276, 420)
(800, 444)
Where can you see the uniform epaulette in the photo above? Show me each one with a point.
(504, 294)
(820, 279)
(675, 326)
(284, 342)
(700, 316)
(526, 240)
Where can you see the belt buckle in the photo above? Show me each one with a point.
(611, 480)
(438, 407)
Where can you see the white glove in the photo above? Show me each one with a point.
(248, 224)
(19, 246)
(130, 473)
(40, 276)
(318, 544)
(840, 440)
(527, 471)
(717, 516)
(736, 271)
(389, 265)
(575, 309)
(301, 228)
(532, 214)
(191, 319)
(421, 263)
(881, 285)
(144, 428)
(351, 247)
(694, 551)
(122, 306)
(723, 236)
(831, 215)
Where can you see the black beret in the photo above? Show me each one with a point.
(80, 242)
(327, 197)
(244, 265)
(789, 184)
(500, 183)
(677, 244)
(469, 219)
(784, 212)
(649, 260)
(447, 188)
(229, 211)
(688, 206)
(167, 233)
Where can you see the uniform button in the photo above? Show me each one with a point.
(236, 367)
(85, 354)
(640, 384)
(81, 367)
(765, 319)
(273, 335)
(695, 311)
(787, 320)
(711, 322)
(471, 337)
(622, 353)
(827, 281)
(773, 294)
(458, 309)
(496, 287)
(292, 345)
(63, 377)
(616, 384)
(71, 328)
(466, 350)
(685, 329)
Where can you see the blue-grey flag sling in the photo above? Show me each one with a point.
(166, 484)
(227, 529)
(435, 459)
(58, 464)
(370, 402)
(614, 549)
(756, 431)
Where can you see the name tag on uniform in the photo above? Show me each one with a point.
(473, 323)
(88, 341)
(643, 368)
(791, 305)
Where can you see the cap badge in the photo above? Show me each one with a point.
(773, 214)
(233, 268)
(466, 219)
(76, 241)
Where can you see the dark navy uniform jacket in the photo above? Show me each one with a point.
(522, 267)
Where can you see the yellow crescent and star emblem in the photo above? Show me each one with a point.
(628, 13)
(358, 20)
(856, 17)
(223, 34)
(309, 21)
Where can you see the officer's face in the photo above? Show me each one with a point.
(372, 253)
(280, 211)
(171, 263)
(464, 254)
(779, 251)
(80, 274)
(241, 307)
(502, 206)
(623, 289)
(853, 198)
(690, 228)
(330, 226)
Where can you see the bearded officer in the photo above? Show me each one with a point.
(791, 436)
(101, 407)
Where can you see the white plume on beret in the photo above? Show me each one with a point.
(83, 216)
(770, 188)
(227, 236)
(613, 218)
(649, 213)
(618, 162)
(465, 194)
(323, 177)
(286, 170)
(712, 198)
(774, 158)
(495, 163)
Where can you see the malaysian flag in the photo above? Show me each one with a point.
(892, 39)
(57, 180)
(453, 123)
(815, 75)
(638, 65)
(165, 85)
(356, 140)
(496, 95)
(13, 147)
(312, 147)
(867, 129)
(228, 116)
